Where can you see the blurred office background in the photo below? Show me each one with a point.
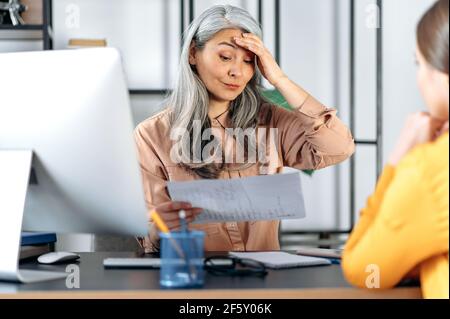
(314, 48)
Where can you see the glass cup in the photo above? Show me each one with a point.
(182, 255)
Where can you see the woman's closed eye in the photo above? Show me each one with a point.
(226, 59)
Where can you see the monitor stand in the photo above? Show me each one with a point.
(15, 167)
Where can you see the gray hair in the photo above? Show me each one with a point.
(189, 100)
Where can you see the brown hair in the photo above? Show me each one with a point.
(432, 35)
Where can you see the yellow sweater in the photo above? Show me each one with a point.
(404, 225)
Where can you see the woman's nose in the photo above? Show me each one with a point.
(235, 70)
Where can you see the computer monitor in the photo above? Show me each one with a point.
(71, 109)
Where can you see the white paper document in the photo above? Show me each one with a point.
(268, 197)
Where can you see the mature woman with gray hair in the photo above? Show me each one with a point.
(217, 106)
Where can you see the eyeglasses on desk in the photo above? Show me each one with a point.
(233, 266)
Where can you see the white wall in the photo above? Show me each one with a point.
(309, 53)
(315, 44)
(146, 33)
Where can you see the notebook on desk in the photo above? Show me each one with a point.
(279, 259)
(320, 252)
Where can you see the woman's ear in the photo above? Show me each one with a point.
(192, 54)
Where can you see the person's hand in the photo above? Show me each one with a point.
(168, 212)
(420, 128)
(268, 66)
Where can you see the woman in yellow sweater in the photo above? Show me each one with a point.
(403, 231)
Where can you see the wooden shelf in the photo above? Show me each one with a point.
(39, 24)
(22, 27)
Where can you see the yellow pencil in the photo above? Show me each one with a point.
(164, 229)
(159, 222)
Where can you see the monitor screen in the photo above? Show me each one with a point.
(71, 108)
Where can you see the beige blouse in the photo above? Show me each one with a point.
(310, 137)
